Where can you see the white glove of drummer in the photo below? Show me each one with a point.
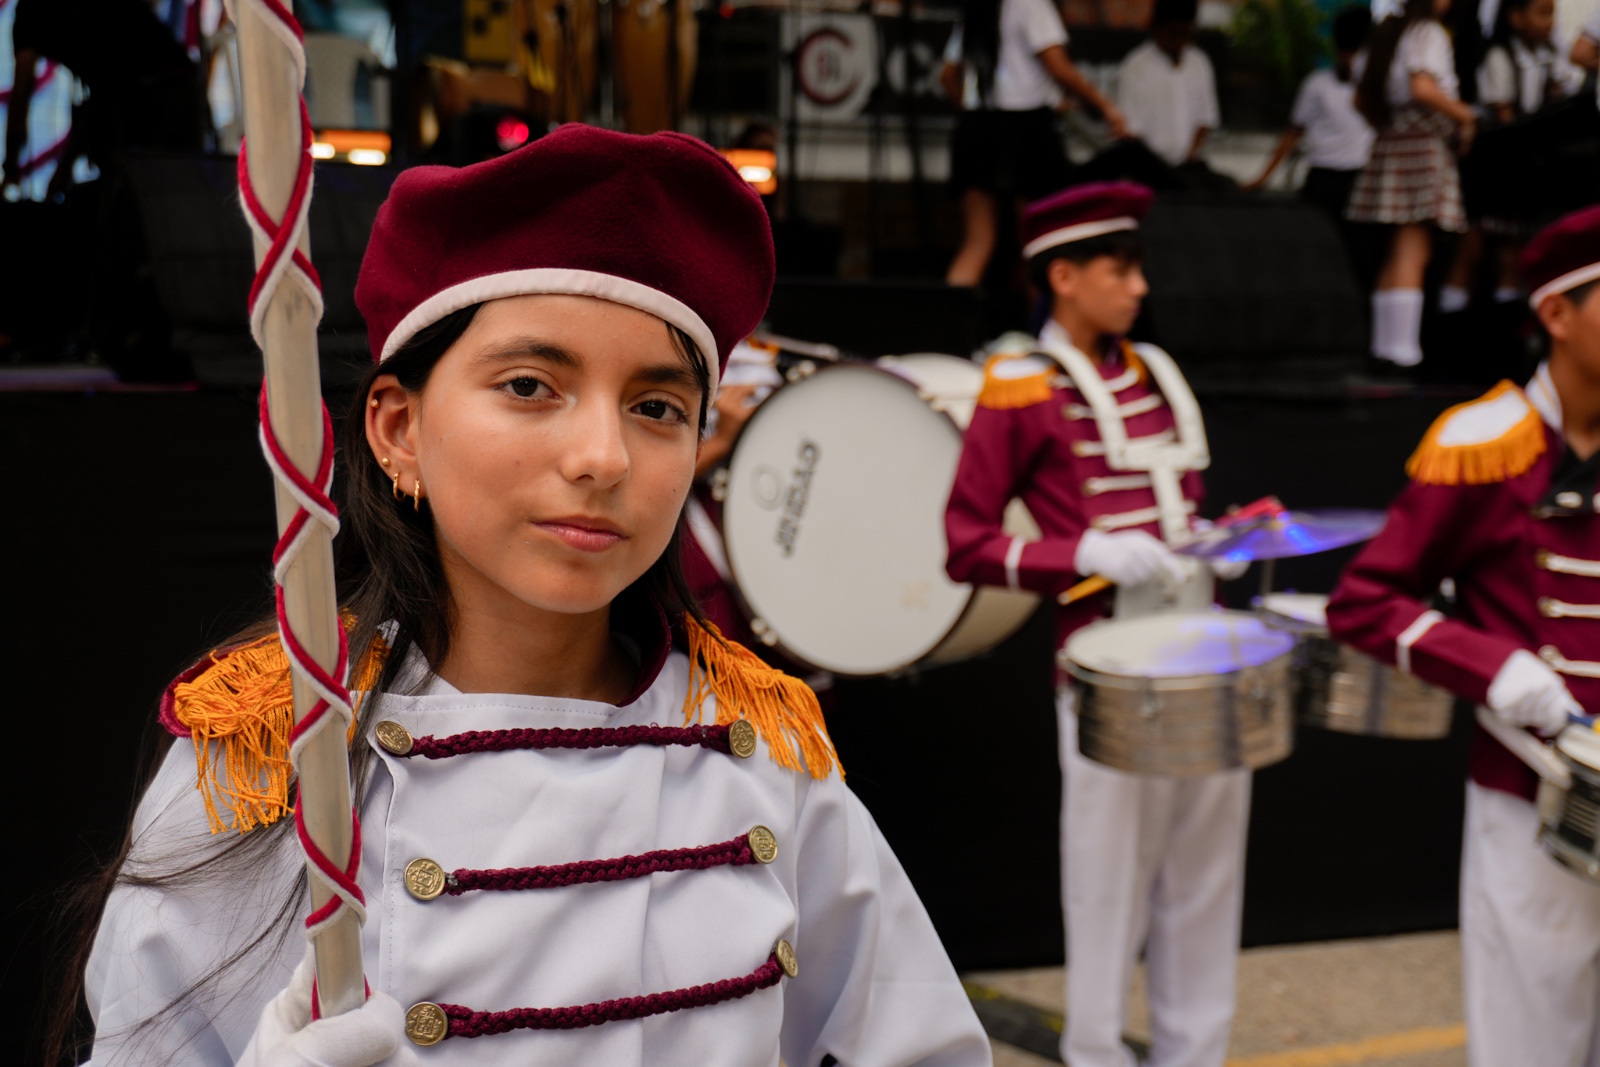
(1131, 557)
(1526, 692)
(371, 1035)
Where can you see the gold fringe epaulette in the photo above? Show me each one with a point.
(782, 708)
(1491, 439)
(1016, 381)
(238, 707)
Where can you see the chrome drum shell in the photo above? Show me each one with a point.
(1570, 816)
(1190, 724)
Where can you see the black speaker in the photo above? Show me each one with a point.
(202, 262)
(879, 317)
(1239, 286)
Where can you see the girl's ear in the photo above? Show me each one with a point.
(392, 421)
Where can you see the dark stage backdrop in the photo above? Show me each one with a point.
(138, 532)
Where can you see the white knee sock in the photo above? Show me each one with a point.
(1397, 326)
(1453, 298)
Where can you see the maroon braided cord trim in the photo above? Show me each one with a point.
(734, 853)
(712, 737)
(464, 1022)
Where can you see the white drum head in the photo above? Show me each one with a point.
(1308, 608)
(1177, 645)
(1582, 744)
(834, 520)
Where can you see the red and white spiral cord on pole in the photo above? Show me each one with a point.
(283, 263)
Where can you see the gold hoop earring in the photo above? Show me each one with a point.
(416, 496)
(395, 488)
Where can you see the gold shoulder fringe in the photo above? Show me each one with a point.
(1480, 463)
(240, 712)
(1004, 393)
(783, 709)
(1130, 356)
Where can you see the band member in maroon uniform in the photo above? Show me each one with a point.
(1503, 501)
(1148, 862)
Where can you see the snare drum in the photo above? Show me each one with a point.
(834, 519)
(1182, 694)
(1571, 815)
(1338, 688)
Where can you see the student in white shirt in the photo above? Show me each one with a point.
(1520, 74)
(1006, 67)
(1166, 86)
(1409, 92)
(1585, 53)
(1337, 138)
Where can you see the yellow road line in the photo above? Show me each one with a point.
(1382, 1047)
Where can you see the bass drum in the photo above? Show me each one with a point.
(834, 519)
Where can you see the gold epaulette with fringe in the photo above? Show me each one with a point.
(782, 708)
(239, 710)
(1016, 381)
(1491, 439)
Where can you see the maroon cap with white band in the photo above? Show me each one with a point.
(659, 223)
(1562, 256)
(1082, 212)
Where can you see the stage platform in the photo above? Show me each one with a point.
(141, 526)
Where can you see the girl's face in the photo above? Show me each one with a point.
(555, 442)
(1534, 23)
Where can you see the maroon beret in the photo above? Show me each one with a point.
(1562, 256)
(1082, 212)
(659, 223)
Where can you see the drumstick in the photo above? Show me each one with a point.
(1087, 587)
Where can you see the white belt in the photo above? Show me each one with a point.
(1098, 448)
(1115, 483)
(1127, 411)
(1577, 668)
(1582, 568)
(1134, 518)
(1551, 608)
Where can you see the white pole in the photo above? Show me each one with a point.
(271, 71)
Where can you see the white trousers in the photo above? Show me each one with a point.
(1156, 863)
(1530, 943)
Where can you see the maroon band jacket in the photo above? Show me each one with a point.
(1500, 506)
(1033, 437)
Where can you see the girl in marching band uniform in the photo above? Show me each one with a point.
(578, 845)
(1408, 92)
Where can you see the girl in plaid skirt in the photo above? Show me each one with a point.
(1409, 94)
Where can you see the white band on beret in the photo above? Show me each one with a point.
(1570, 280)
(1080, 232)
(562, 281)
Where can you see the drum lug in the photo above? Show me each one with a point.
(800, 371)
(719, 484)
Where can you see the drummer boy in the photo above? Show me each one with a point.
(1148, 862)
(1502, 500)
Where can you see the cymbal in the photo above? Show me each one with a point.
(1287, 533)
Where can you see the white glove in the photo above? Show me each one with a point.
(1526, 692)
(1129, 558)
(286, 1037)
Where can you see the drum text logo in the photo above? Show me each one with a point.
(794, 502)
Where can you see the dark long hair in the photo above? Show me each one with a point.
(389, 572)
(980, 42)
(1372, 94)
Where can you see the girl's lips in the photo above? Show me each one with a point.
(582, 538)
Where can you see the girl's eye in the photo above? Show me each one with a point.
(526, 388)
(662, 411)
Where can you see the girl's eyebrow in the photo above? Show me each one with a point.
(521, 347)
(669, 374)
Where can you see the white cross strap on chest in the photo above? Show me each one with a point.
(1164, 458)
